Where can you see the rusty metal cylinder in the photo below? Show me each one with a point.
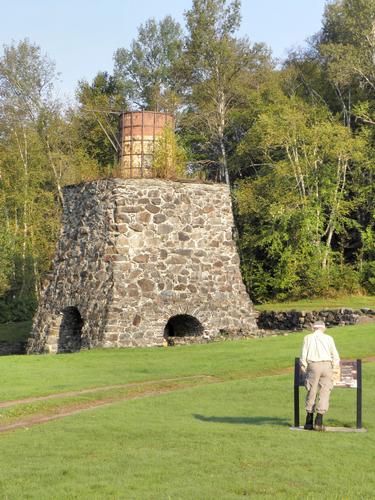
(139, 133)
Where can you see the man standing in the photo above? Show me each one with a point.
(318, 359)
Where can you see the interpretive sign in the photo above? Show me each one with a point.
(349, 376)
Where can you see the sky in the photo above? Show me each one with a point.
(81, 36)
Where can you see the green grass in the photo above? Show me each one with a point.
(223, 440)
(351, 301)
(24, 376)
(15, 332)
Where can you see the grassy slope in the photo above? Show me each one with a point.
(24, 376)
(353, 302)
(226, 440)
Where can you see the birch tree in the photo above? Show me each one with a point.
(213, 68)
(300, 200)
(27, 186)
(146, 69)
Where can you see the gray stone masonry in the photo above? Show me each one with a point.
(9, 348)
(299, 320)
(140, 261)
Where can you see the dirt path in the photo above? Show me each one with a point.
(30, 421)
(73, 409)
(58, 395)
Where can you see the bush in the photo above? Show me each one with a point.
(17, 309)
(170, 158)
(368, 277)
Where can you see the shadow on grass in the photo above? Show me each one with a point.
(244, 420)
(333, 422)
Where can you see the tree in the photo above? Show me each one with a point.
(25, 91)
(27, 104)
(214, 67)
(28, 208)
(95, 124)
(147, 68)
(5, 247)
(26, 81)
(36, 159)
(295, 211)
(347, 41)
(338, 66)
(339, 70)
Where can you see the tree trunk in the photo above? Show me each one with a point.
(221, 129)
(55, 172)
(328, 246)
(23, 151)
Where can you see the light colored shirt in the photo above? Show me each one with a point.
(319, 347)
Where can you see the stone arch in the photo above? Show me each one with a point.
(70, 330)
(183, 325)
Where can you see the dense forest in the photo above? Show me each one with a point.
(294, 139)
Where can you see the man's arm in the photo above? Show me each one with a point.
(334, 355)
(303, 358)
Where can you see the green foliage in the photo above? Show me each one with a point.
(14, 332)
(146, 70)
(297, 144)
(170, 158)
(94, 126)
(17, 308)
(215, 69)
(368, 277)
(5, 255)
(296, 210)
(38, 155)
(347, 42)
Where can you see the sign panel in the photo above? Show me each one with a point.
(348, 375)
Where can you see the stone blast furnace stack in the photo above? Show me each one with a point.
(143, 262)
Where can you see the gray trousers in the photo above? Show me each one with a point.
(319, 383)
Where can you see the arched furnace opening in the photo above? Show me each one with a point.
(70, 331)
(183, 325)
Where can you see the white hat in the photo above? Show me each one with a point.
(318, 325)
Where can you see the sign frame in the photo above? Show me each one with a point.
(298, 381)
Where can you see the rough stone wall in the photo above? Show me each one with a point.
(9, 348)
(135, 253)
(299, 320)
(81, 276)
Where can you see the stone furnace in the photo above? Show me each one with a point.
(142, 262)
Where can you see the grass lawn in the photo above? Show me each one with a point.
(351, 301)
(225, 439)
(15, 332)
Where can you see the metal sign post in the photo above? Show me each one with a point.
(359, 394)
(297, 371)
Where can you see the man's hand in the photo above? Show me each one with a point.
(336, 374)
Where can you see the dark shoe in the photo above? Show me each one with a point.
(319, 423)
(309, 422)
